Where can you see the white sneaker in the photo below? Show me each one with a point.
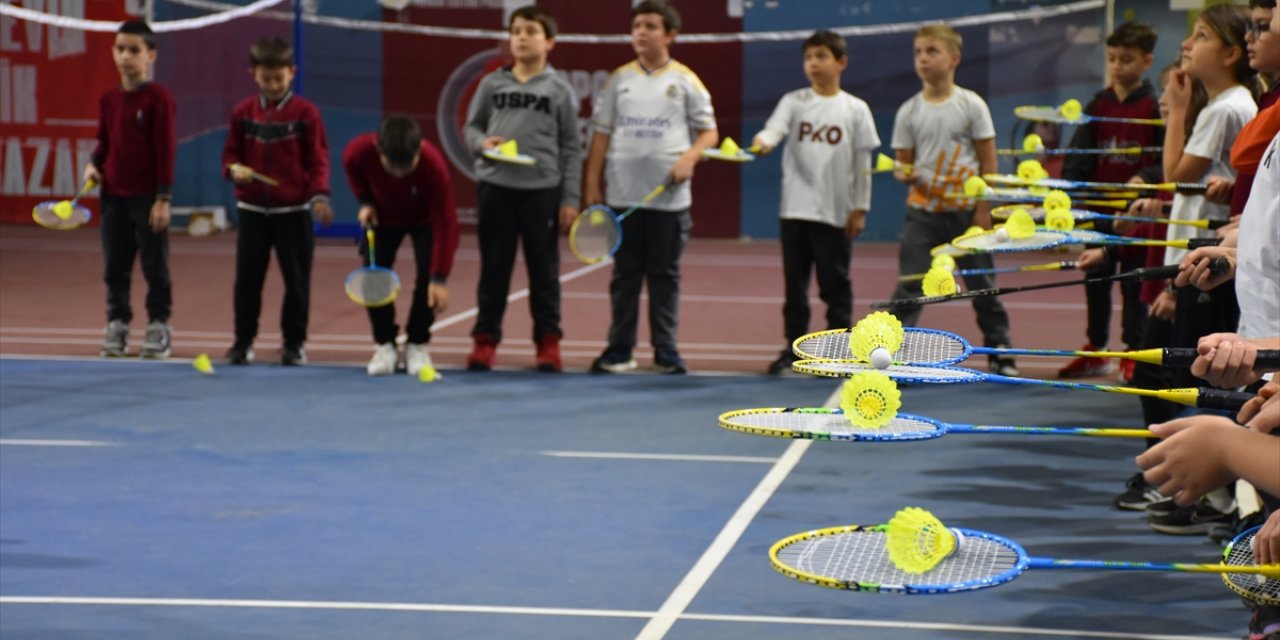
(383, 362)
(416, 358)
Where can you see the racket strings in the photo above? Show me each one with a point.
(373, 286)
(834, 425)
(898, 372)
(1252, 586)
(861, 557)
(918, 347)
(46, 215)
(1039, 239)
(596, 234)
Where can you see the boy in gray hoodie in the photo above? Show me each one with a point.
(530, 103)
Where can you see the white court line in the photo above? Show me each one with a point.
(473, 311)
(684, 593)
(678, 457)
(19, 442)
(330, 605)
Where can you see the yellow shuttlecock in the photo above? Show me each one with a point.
(1033, 143)
(1057, 200)
(938, 282)
(596, 218)
(63, 210)
(1031, 171)
(974, 230)
(203, 364)
(943, 261)
(1071, 109)
(509, 149)
(917, 541)
(428, 373)
(1059, 220)
(729, 147)
(975, 186)
(870, 399)
(885, 163)
(1020, 224)
(879, 330)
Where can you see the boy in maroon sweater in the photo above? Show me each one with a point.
(279, 135)
(134, 164)
(1129, 55)
(404, 189)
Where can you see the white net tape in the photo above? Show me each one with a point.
(228, 13)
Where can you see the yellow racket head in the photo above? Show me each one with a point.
(917, 541)
(509, 149)
(875, 331)
(1031, 171)
(203, 364)
(975, 186)
(729, 147)
(870, 399)
(1071, 109)
(939, 282)
(1057, 199)
(943, 261)
(1033, 143)
(1059, 220)
(884, 162)
(1020, 224)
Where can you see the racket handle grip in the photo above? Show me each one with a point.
(1267, 360)
(1178, 356)
(1190, 187)
(1196, 243)
(1153, 273)
(1219, 266)
(1221, 399)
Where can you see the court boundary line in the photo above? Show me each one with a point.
(666, 457)
(27, 442)
(338, 605)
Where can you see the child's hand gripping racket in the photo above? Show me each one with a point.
(596, 233)
(64, 215)
(372, 286)
(242, 173)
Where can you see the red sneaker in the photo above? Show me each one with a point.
(548, 357)
(1085, 367)
(483, 353)
(1126, 371)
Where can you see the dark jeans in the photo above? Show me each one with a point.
(809, 247)
(387, 239)
(924, 231)
(126, 234)
(292, 237)
(652, 242)
(531, 220)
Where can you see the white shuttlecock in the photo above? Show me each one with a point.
(881, 358)
(1002, 235)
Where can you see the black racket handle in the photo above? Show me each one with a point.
(1218, 224)
(1265, 360)
(1190, 187)
(1222, 400)
(1196, 243)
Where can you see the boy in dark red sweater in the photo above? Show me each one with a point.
(134, 164)
(279, 135)
(403, 186)
(1129, 55)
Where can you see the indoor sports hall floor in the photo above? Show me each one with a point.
(144, 500)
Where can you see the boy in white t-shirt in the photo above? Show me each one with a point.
(826, 187)
(945, 132)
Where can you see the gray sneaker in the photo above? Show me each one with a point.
(156, 343)
(116, 344)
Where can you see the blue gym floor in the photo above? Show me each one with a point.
(143, 500)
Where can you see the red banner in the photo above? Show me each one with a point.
(50, 81)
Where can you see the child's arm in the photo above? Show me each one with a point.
(444, 226)
(776, 128)
(477, 128)
(570, 142)
(683, 168)
(165, 140)
(1204, 452)
(360, 187)
(315, 157)
(1178, 165)
(593, 175)
(233, 151)
(702, 120)
(865, 142)
(93, 170)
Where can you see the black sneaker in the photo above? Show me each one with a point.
(668, 360)
(1161, 508)
(1197, 519)
(783, 363)
(1264, 624)
(293, 356)
(239, 354)
(1137, 495)
(614, 360)
(1003, 365)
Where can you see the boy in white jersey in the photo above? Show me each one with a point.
(945, 132)
(652, 120)
(826, 187)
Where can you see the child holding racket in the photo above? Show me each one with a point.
(652, 120)
(826, 187)
(402, 184)
(946, 133)
(280, 135)
(530, 103)
(134, 164)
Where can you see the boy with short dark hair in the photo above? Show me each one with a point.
(133, 163)
(402, 184)
(280, 135)
(826, 187)
(531, 104)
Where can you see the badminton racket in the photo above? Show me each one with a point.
(372, 286)
(834, 425)
(1034, 145)
(1072, 112)
(857, 558)
(999, 241)
(1083, 215)
(596, 233)
(928, 347)
(1013, 196)
(263, 178)
(64, 215)
(1056, 183)
(1048, 266)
